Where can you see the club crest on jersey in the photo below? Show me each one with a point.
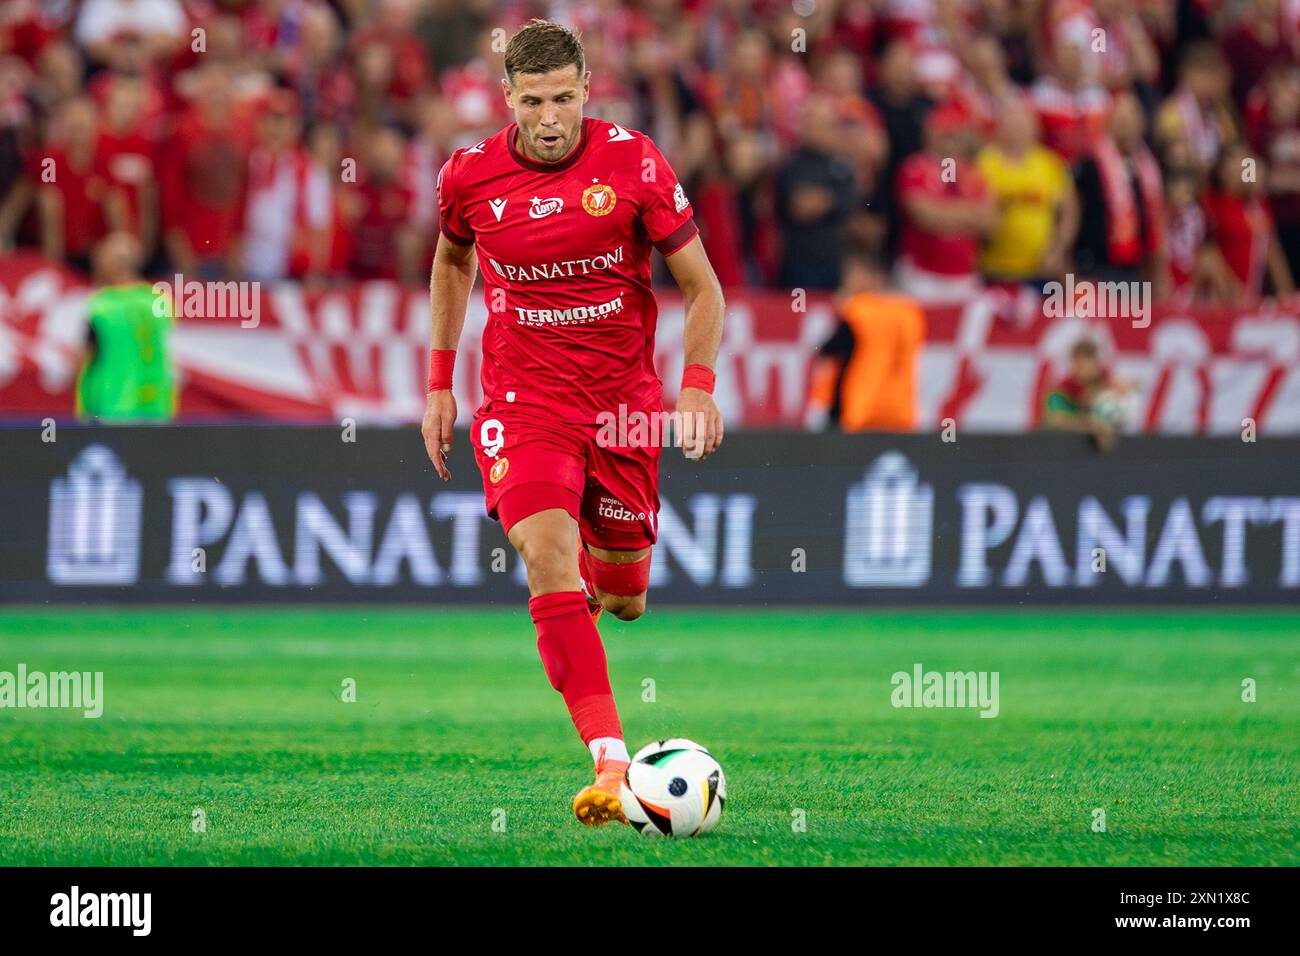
(599, 199)
(541, 208)
(499, 470)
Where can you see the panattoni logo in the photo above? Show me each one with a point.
(541, 208)
(599, 199)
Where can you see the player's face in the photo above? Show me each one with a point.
(548, 109)
(1086, 368)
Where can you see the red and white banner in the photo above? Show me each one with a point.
(361, 352)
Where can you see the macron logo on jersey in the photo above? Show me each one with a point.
(498, 207)
(541, 208)
(618, 134)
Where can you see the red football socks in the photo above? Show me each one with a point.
(574, 661)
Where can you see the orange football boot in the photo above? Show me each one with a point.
(598, 803)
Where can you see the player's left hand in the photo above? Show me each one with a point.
(701, 422)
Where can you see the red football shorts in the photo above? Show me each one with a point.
(531, 463)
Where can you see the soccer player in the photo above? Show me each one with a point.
(562, 212)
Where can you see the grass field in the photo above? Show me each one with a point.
(239, 713)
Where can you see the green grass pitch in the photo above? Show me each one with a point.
(240, 713)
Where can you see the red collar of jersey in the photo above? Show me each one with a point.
(574, 155)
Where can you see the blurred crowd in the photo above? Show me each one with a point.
(962, 142)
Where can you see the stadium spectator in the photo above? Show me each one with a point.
(1273, 131)
(204, 180)
(1257, 43)
(226, 45)
(947, 210)
(1131, 57)
(1241, 226)
(71, 187)
(717, 84)
(1075, 403)
(286, 209)
(854, 29)
(1196, 270)
(1038, 214)
(1071, 107)
(312, 69)
(1011, 25)
(902, 106)
(717, 203)
(127, 151)
(987, 85)
(60, 76)
(383, 241)
(27, 27)
(756, 90)
(1196, 120)
(16, 134)
(430, 147)
(815, 196)
(862, 130)
(450, 29)
(391, 66)
(760, 240)
(102, 24)
(864, 377)
(324, 254)
(1121, 201)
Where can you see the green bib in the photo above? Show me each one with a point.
(130, 376)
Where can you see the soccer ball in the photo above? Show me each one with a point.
(673, 788)
(1112, 408)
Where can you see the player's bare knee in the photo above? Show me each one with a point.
(551, 566)
(625, 607)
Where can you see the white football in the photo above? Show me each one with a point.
(1113, 408)
(673, 788)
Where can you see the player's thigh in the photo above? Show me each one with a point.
(612, 556)
(528, 463)
(619, 525)
(620, 503)
(548, 543)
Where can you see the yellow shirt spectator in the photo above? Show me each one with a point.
(1029, 193)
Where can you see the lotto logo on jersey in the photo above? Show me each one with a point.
(599, 199)
(541, 208)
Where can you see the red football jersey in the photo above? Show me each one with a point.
(949, 254)
(564, 249)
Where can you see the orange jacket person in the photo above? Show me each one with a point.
(865, 376)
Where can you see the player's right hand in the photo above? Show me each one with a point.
(439, 417)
